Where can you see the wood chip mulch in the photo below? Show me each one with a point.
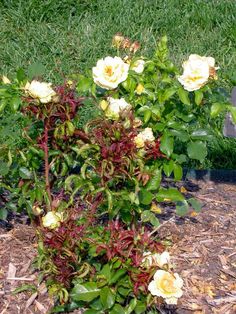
(203, 252)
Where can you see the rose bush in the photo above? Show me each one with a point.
(95, 192)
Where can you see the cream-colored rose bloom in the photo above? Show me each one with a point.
(197, 71)
(115, 107)
(41, 91)
(138, 66)
(166, 285)
(151, 260)
(110, 72)
(145, 136)
(5, 80)
(52, 220)
(139, 142)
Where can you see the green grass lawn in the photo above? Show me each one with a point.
(68, 36)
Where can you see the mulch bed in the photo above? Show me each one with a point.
(203, 251)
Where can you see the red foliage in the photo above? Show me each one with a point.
(141, 281)
(153, 150)
(64, 241)
(117, 147)
(127, 244)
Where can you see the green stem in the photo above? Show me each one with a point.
(46, 165)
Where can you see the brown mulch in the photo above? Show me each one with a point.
(203, 251)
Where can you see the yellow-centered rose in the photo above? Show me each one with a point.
(41, 91)
(145, 136)
(166, 285)
(151, 260)
(197, 71)
(110, 72)
(52, 220)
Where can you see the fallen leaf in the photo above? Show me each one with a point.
(183, 190)
(11, 271)
(40, 307)
(31, 300)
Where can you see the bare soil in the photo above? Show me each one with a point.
(203, 251)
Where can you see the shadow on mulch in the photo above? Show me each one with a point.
(203, 252)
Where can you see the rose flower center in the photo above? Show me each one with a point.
(167, 285)
(108, 70)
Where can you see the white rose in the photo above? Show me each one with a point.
(110, 72)
(156, 259)
(40, 90)
(138, 66)
(52, 220)
(166, 285)
(115, 107)
(197, 71)
(145, 136)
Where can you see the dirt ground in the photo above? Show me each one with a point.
(203, 252)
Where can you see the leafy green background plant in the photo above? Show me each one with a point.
(39, 31)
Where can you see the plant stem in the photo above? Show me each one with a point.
(46, 164)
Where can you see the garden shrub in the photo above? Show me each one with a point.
(95, 192)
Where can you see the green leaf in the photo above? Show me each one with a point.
(84, 84)
(96, 304)
(201, 134)
(180, 158)
(155, 180)
(124, 291)
(140, 307)
(129, 84)
(3, 213)
(162, 50)
(233, 113)
(181, 135)
(117, 309)
(25, 173)
(148, 216)
(183, 96)
(85, 292)
(168, 93)
(197, 206)
(171, 194)
(182, 208)
(25, 287)
(167, 144)
(168, 168)
(145, 197)
(216, 108)
(20, 75)
(178, 172)
(107, 297)
(147, 115)
(4, 168)
(2, 105)
(15, 103)
(117, 275)
(198, 96)
(91, 311)
(197, 150)
(35, 70)
(106, 272)
(129, 309)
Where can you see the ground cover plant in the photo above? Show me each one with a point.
(67, 36)
(94, 191)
